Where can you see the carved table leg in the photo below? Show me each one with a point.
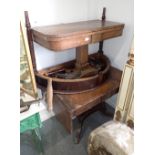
(78, 132)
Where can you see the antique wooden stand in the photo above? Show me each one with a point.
(85, 82)
(70, 108)
(86, 72)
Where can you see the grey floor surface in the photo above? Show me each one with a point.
(57, 141)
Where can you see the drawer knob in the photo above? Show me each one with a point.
(86, 39)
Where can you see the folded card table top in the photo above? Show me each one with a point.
(70, 35)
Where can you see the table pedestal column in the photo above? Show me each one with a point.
(81, 56)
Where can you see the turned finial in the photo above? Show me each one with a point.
(27, 22)
(100, 51)
(131, 55)
(30, 40)
(103, 14)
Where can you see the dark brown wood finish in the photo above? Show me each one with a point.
(81, 56)
(101, 42)
(68, 107)
(79, 35)
(30, 40)
(104, 14)
(72, 86)
(74, 97)
(65, 36)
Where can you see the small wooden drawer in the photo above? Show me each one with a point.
(99, 36)
(71, 42)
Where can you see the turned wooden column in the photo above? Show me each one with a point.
(81, 56)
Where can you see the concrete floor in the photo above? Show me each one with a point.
(57, 141)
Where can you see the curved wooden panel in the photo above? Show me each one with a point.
(77, 84)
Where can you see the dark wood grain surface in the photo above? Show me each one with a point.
(69, 106)
(63, 30)
(77, 85)
(65, 36)
(81, 101)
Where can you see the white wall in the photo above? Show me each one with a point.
(62, 11)
(122, 11)
(55, 12)
(117, 49)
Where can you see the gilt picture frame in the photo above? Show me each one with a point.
(27, 77)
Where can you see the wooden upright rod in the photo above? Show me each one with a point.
(30, 40)
(100, 51)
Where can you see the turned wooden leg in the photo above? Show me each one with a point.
(49, 98)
